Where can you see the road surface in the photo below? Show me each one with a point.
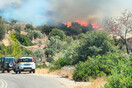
(26, 80)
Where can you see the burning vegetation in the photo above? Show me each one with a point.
(95, 25)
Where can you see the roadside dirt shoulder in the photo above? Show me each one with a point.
(68, 82)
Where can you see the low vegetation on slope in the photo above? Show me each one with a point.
(92, 53)
(23, 39)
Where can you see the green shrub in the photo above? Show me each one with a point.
(29, 26)
(130, 55)
(35, 34)
(26, 52)
(96, 66)
(54, 45)
(45, 29)
(121, 76)
(41, 66)
(28, 30)
(50, 59)
(61, 63)
(88, 69)
(13, 50)
(2, 31)
(69, 39)
(57, 32)
(94, 43)
(17, 28)
(49, 52)
(23, 39)
(38, 55)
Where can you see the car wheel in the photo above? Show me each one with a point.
(30, 71)
(16, 72)
(33, 70)
(3, 70)
(19, 71)
(8, 71)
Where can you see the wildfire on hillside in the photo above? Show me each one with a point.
(83, 23)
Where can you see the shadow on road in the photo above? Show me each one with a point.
(21, 73)
(15, 73)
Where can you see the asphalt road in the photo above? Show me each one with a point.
(26, 80)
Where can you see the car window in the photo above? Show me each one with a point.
(9, 60)
(26, 60)
(1, 59)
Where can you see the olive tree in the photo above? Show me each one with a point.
(121, 26)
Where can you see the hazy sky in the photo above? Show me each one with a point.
(40, 12)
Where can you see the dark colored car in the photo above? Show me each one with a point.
(7, 63)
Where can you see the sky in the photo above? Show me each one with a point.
(39, 12)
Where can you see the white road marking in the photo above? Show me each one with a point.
(4, 83)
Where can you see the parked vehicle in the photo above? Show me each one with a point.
(25, 64)
(7, 63)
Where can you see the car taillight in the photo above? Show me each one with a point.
(21, 60)
(32, 60)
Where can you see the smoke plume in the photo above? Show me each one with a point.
(40, 12)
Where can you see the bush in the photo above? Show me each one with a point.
(61, 63)
(69, 39)
(96, 66)
(23, 39)
(38, 55)
(49, 52)
(46, 29)
(17, 28)
(121, 76)
(54, 45)
(50, 59)
(28, 30)
(29, 26)
(57, 32)
(92, 44)
(2, 31)
(35, 34)
(13, 50)
(88, 69)
(41, 66)
(26, 52)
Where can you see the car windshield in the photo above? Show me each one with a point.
(9, 60)
(26, 60)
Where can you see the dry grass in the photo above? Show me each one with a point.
(63, 73)
(6, 39)
(97, 83)
(42, 71)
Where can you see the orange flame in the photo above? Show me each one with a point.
(95, 25)
(83, 23)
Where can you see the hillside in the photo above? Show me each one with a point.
(36, 42)
(6, 40)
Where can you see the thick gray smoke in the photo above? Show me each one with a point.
(91, 10)
(40, 12)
